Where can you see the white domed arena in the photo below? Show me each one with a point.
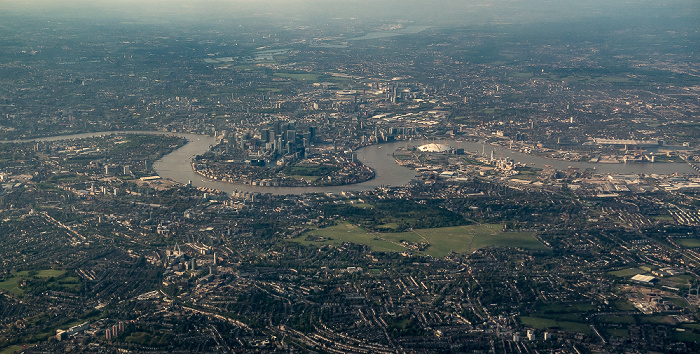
(435, 148)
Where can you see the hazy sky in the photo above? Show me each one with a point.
(436, 12)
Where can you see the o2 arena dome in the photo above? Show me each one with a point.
(435, 148)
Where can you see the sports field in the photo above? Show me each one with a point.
(626, 272)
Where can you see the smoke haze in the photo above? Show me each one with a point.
(443, 12)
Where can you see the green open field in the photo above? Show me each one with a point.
(686, 336)
(46, 273)
(300, 77)
(13, 349)
(545, 323)
(688, 242)
(564, 312)
(574, 327)
(627, 272)
(678, 301)
(624, 305)
(349, 233)
(678, 281)
(245, 67)
(626, 319)
(459, 239)
(11, 285)
(469, 238)
(567, 317)
(663, 218)
(270, 89)
(538, 322)
(658, 319)
(390, 226)
(577, 307)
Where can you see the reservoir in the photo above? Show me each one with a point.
(177, 165)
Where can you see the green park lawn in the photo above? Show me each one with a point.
(300, 77)
(545, 323)
(12, 284)
(13, 349)
(458, 239)
(688, 242)
(349, 233)
(622, 319)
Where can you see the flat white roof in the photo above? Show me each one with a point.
(643, 278)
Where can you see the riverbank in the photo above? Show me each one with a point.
(177, 165)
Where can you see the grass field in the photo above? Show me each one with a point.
(688, 242)
(11, 285)
(300, 77)
(624, 305)
(538, 322)
(459, 239)
(663, 218)
(626, 319)
(679, 281)
(628, 272)
(13, 349)
(562, 316)
(559, 310)
(545, 323)
(467, 239)
(270, 89)
(46, 273)
(574, 327)
(658, 319)
(391, 226)
(678, 301)
(350, 233)
(686, 336)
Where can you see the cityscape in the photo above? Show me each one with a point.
(350, 185)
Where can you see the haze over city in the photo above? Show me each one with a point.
(447, 12)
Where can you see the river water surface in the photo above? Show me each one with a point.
(177, 165)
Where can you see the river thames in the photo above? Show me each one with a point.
(177, 165)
